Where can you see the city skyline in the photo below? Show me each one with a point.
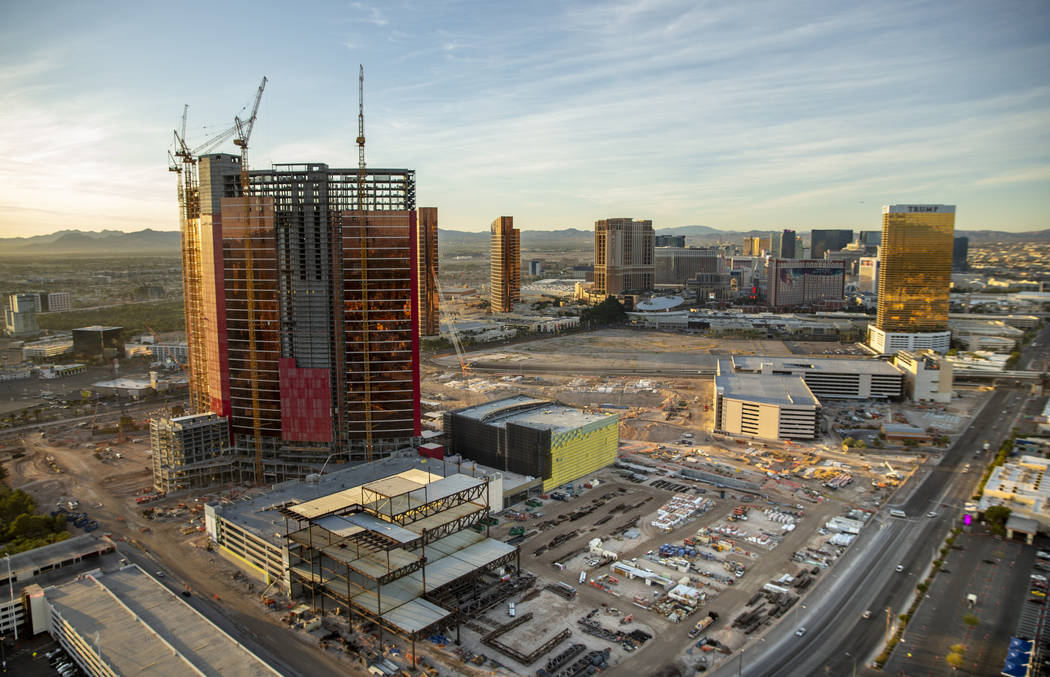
(735, 117)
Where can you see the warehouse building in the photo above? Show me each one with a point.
(535, 437)
(758, 406)
(830, 378)
(127, 623)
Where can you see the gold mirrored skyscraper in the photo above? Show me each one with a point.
(504, 265)
(915, 272)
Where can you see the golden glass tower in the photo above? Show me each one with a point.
(504, 265)
(915, 271)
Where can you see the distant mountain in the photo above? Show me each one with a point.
(107, 242)
(990, 236)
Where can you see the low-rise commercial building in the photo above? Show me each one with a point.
(534, 437)
(1021, 485)
(927, 375)
(47, 348)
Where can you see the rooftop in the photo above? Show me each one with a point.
(782, 392)
(140, 627)
(534, 413)
(798, 365)
(97, 327)
(259, 513)
(28, 564)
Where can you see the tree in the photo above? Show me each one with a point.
(955, 660)
(958, 648)
(996, 517)
(608, 312)
(971, 620)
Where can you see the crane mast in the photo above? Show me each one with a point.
(366, 364)
(244, 133)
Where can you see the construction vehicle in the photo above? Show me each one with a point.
(892, 471)
(703, 624)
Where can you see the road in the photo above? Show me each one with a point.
(837, 635)
(838, 639)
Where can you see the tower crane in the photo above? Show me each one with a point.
(366, 363)
(453, 333)
(244, 133)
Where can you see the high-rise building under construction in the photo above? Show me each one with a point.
(914, 279)
(504, 265)
(624, 258)
(302, 310)
(427, 255)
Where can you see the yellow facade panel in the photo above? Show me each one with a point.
(578, 453)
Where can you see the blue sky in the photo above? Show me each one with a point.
(728, 114)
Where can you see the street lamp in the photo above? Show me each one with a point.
(848, 654)
(800, 606)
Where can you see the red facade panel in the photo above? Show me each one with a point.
(306, 403)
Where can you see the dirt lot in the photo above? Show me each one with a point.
(617, 596)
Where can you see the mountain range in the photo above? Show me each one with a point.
(145, 242)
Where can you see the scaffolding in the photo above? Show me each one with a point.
(390, 551)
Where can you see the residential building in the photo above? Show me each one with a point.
(427, 256)
(623, 256)
(794, 283)
(504, 265)
(927, 375)
(58, 301)
(302, 308)
(822, 241)
(528, 436)
(670, 241)
(98, 341)
(914, 279)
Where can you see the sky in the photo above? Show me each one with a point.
(735, 115)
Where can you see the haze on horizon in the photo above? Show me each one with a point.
(730, 115)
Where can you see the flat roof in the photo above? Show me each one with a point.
(786, 391)
(534, 413)
(142, 628)
(96, 327)
(24, 564)
(330, 492)
(798, 364)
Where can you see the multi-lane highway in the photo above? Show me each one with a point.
(838, 639)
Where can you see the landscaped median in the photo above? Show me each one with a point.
(920, 591)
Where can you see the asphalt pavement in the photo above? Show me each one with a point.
(997, 572)
(838, 640)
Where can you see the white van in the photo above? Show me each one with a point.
(896, 512)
